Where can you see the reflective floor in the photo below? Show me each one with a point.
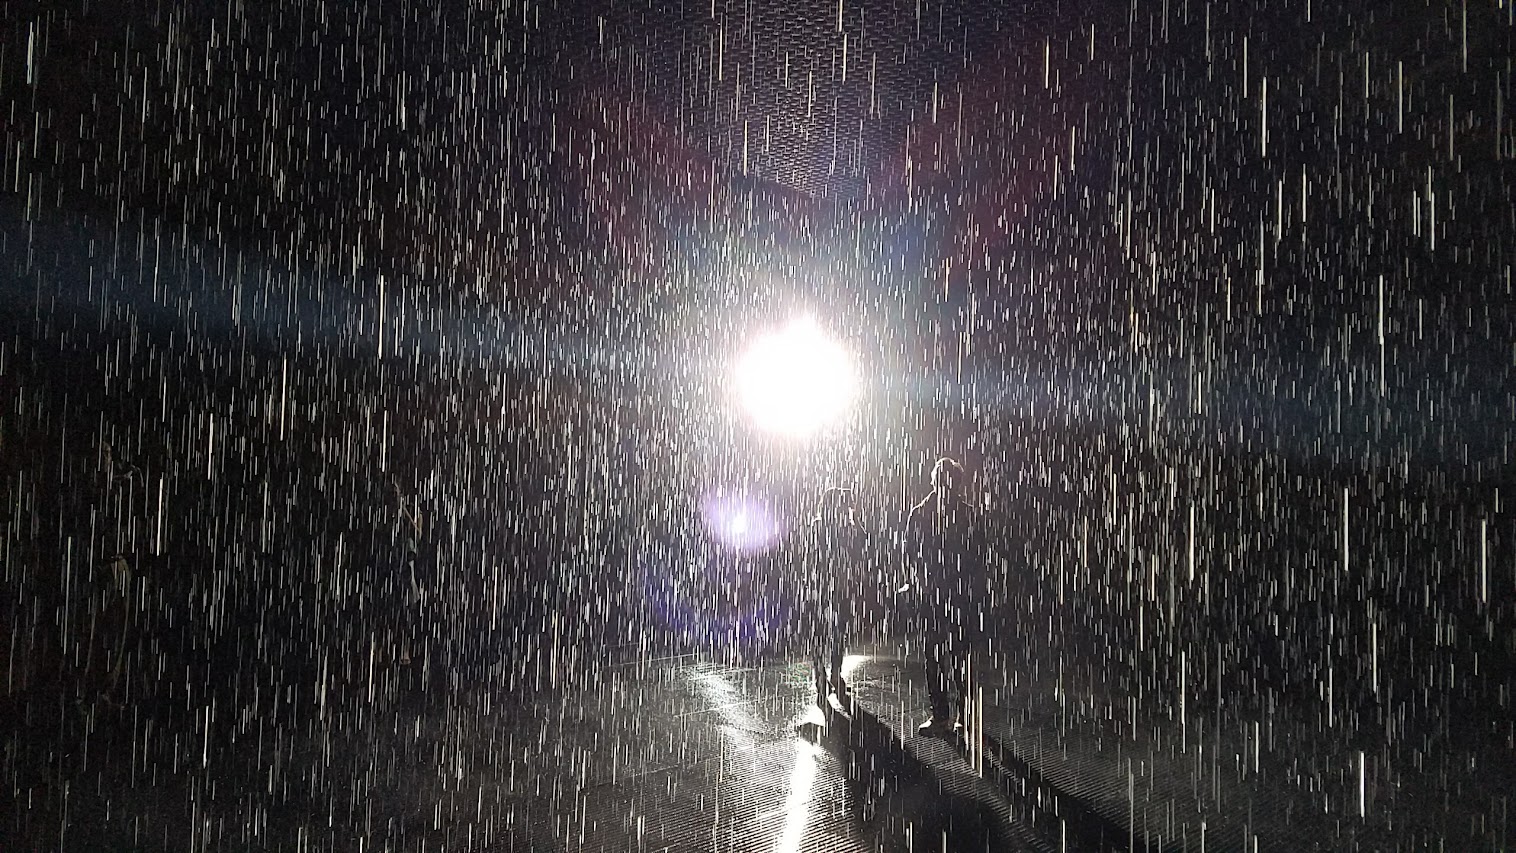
(683, 753)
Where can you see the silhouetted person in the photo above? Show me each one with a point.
(945, 554)
(833, 554)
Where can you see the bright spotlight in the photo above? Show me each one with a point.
(796, 380)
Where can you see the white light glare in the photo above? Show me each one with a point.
(796, 380)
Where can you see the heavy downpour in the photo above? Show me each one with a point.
(743, 425)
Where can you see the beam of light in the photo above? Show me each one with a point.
(795, 381)
(797, 805)
(728, 700)
(738, 721)
(851, 663)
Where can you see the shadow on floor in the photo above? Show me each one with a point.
(902, 802)
(1053, 811)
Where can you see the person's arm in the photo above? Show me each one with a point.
(908, 560)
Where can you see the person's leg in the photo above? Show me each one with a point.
(937, 676)
(837, 651)
(818, 673)
(821, 636)
(819, 713)
(834, 670)
(960, 675)
(969, 723)
(966, 661)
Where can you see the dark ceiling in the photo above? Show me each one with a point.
(820, 97)
(524, 142)
(376, 122)
(1233, 187)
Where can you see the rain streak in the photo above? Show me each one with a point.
(829, 425)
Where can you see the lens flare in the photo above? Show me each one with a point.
(742, 522)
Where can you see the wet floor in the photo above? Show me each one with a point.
(684, 753)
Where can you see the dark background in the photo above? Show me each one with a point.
(367, 330)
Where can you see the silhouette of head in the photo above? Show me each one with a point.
(947, 476)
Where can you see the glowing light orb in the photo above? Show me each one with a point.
(795, 381)
(743, 523)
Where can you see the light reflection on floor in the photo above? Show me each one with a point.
(739, 724)
(797, 805)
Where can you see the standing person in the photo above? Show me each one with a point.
(833, 551)
(945, 555)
